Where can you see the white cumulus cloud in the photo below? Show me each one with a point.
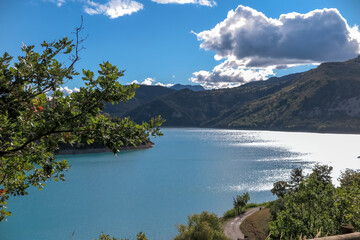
(148, 81)
(134, 82)
(113, 8)
(252, 45)
(230, 73)
(67, 91)
(151, 82)
(164, 85)
(208, 3)
(293, 38)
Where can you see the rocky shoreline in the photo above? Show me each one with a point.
(67, 149)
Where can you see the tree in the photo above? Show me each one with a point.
(348, 198)
(322, 173)
(240, 201)
(280, 189)
(296, 177)
(349, 178)
(309, 211)
(35, 115)
(204, 226)
(316, 207)
(103, 236)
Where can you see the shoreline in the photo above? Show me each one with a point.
(270, 130)
(97, 148)
(86, 149)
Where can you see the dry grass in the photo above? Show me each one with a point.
(256, 226)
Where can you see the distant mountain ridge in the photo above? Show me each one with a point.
(194, 88)
(324, 99)
(144, 94)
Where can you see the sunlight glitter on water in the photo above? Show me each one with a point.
(337, 150)
(192, 169)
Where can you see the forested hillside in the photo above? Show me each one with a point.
(323, 99)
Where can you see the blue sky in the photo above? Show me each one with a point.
(175, 41)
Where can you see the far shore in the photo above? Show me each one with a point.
(270, 129)
(97, 148)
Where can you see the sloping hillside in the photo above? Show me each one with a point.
(144, 94)
(323, 99)
(188, 108)
(194, 88)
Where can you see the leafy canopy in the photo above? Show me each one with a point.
(103, 236)
(35, 116)
(312, 206)
(204, 226)
(240, 201)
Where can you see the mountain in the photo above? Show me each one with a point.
(194, 88)
(144, 94)
(188, 108)
(325, 99)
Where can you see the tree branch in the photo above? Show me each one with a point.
(78, 42)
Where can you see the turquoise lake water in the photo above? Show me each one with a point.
(188, 171)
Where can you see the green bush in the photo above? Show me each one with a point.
(252, 205)
(201, 226)
(315, 207)
(103, 236)
(231, 213)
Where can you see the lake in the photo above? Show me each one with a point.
(189, 170)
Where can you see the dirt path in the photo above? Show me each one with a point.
(232, 228)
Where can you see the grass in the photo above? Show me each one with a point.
(231, 213)
(256, 226)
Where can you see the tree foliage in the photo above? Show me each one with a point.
(35, 115)
(240, 201)
(307, 211)
(204, 226)
(316, 207)
(280, 188)
(296, 177)
(103, 236)
(348, 198)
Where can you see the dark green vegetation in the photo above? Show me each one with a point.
(194, 88)
(231, 213)
(240, 202)
(200, 227)
(310, 206)
(144, 94)
(103, 236)
(325, 99)
(35, 116)
(256, 226)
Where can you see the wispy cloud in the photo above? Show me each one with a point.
(59, 3)
(113, 8)
(208, 3)
(117, 8)
(252, 45)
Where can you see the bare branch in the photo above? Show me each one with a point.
(79, 41)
